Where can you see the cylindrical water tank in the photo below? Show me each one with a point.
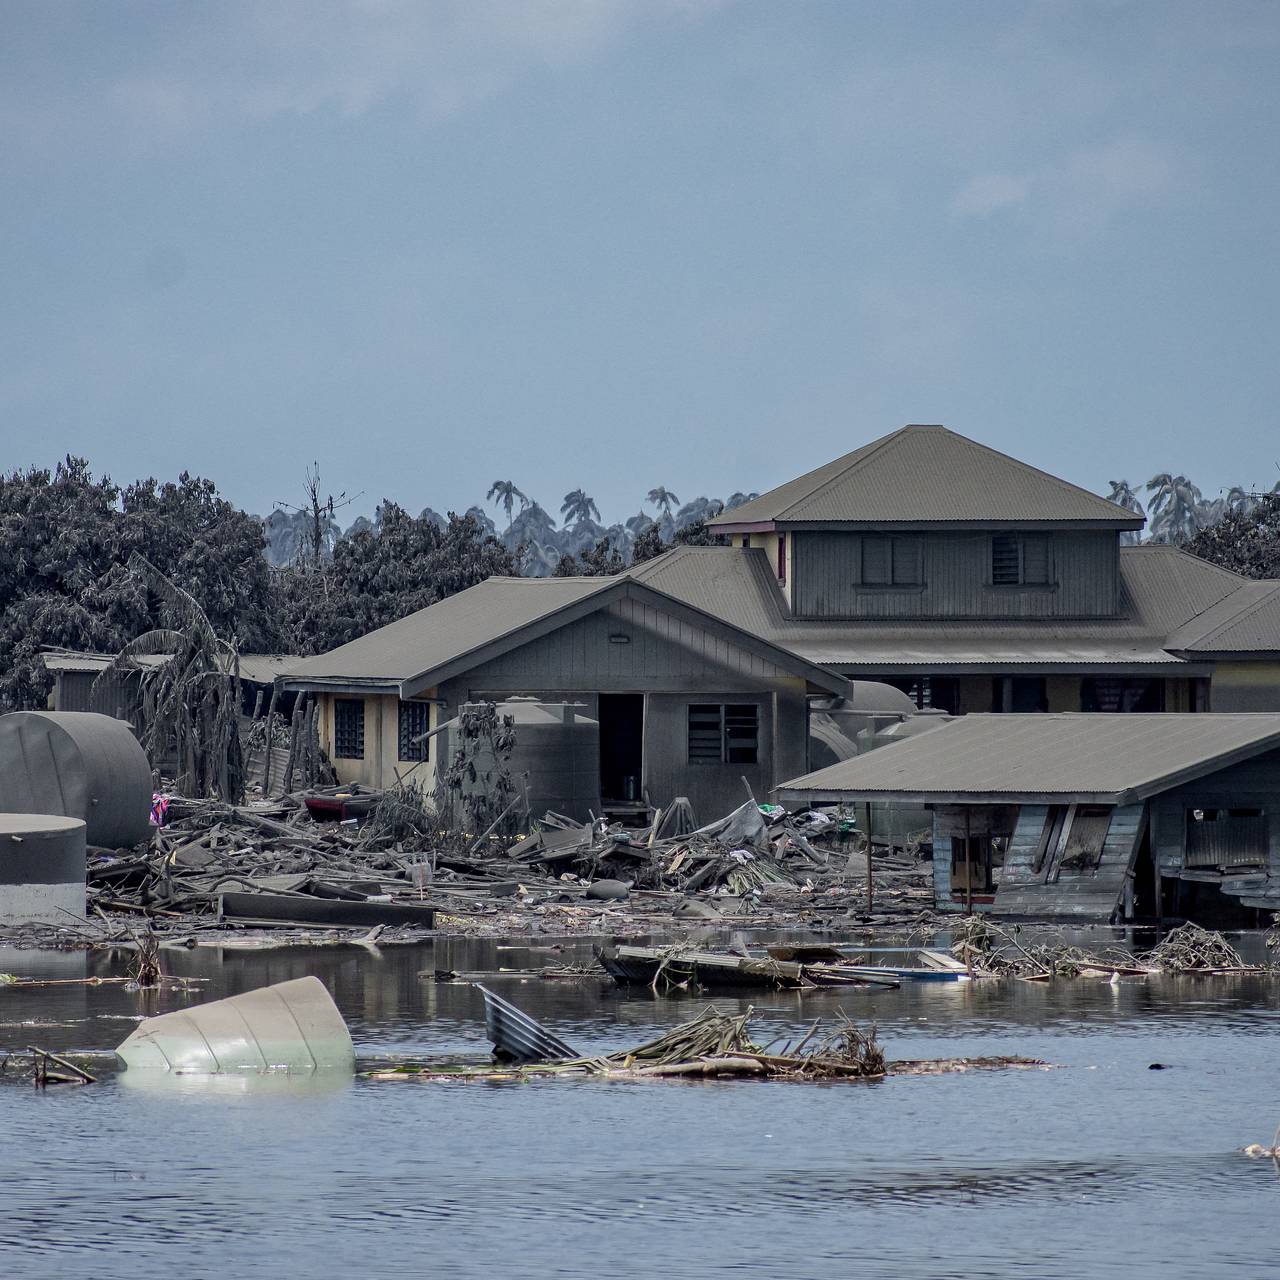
(79, 764)
(42, 862)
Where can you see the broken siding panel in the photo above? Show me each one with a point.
(1085, 893)
(956, 573)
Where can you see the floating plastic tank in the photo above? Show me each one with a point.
(291, 1027)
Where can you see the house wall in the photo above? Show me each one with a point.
(1253, 784)
(674, 664)
(956, 572)
(768, 543)
(381, 760)
(1245, 686)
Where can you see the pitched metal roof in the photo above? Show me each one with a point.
(1161, 589)
(431, 645)
(1246, 621)
(439, 633)
(1105, 759)
(258, 668)
(927, 475)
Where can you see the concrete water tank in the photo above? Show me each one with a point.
(42, 868)
(78, 764)
(556, 746)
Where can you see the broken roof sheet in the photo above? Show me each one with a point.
(1113, 759)
(1161, 588)
(925, 475)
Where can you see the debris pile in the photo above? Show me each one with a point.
(347, 855)
(988, 950)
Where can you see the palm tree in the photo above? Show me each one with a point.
(1240, 500)
(577, 507)
(664, 498)
(739, 499)
(503, 493)
(1123, 495)
(1173, 508)
(698, 509)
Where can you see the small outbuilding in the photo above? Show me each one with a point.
(1095, 816)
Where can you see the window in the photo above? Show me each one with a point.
(728, 734)
(1020, 560)
(348, 728)
(415, 720)
(890, 562)
(782, 559)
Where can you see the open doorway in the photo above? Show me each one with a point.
(621, 718)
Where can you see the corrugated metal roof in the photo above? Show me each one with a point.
(1246, 621)
(443, 631)
(260, 668)
(925, 474)
(1111, 758)
(429, 645)
(1161, 588)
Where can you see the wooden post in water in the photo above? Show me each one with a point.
(870, 882)
(968, 866)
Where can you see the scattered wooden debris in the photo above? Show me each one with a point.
(989, 950)
(683, 967)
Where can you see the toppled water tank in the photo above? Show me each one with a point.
(289, 1027)
(42, 861)
(78, 764)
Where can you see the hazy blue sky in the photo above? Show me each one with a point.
(622, 243)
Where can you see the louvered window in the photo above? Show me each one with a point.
(724, 734)
(1004, 560)
(415, 720)
(1020, 560)
(348, 728)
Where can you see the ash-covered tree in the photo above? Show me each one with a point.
(649, 543)
(377, 577)
(65, 540)
(1245, 540)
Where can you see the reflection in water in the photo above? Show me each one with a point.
(1101, 1168)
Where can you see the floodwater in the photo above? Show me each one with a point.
(1100, 1168)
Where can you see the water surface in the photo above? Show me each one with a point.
(1101, 1168)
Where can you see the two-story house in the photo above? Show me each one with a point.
(977, 583)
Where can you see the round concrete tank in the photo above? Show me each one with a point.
(78, 764)
(42, 868)
(557, 747)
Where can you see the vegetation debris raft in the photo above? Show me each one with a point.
(719, 1045)
(988, 950)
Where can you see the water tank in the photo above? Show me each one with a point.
(557, 746)
(78, 764)
(42, 861)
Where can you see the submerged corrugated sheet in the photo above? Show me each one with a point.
(1088, 755)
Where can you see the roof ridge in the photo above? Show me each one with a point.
(1246, 610)
(868, 451)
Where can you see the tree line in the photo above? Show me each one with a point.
(296, 583)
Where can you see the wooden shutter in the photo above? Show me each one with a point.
(1035, 559)
(906, 561)
(876, 566)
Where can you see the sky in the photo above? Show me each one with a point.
(616, 244)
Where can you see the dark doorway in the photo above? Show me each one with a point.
(621, 747)
(1019, 694)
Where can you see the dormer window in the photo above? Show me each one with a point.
(890, 561)
(1020, 560)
